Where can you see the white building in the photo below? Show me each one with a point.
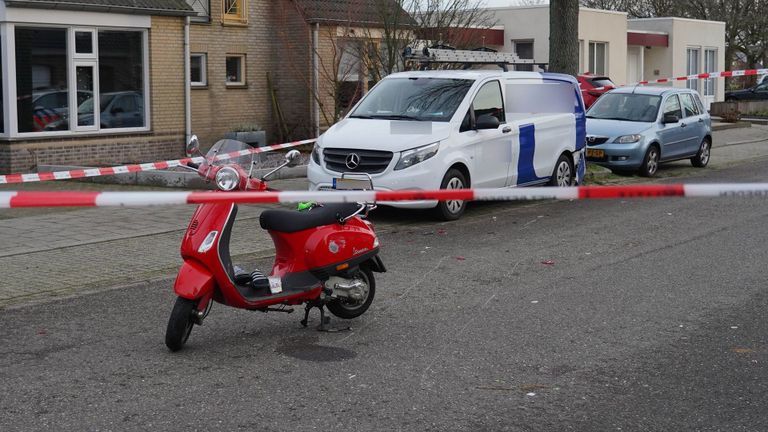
(627, 50)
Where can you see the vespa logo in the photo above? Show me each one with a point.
(353, 161)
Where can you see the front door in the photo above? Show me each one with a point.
(673, 135)
(634, 64)
(492, 148)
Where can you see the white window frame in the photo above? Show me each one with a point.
(592, 55)
(243, 80)
(693, 84)
(73, 113)
(94, 43)
(711, 82)
(203, 70)
(9, 85)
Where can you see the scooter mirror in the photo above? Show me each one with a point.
(292, 158)
(193, 146)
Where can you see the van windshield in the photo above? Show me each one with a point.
(417, 99)
(626, 106)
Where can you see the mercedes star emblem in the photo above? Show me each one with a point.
(353, 161)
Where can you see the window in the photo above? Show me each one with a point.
(198, 75)
(710, 65)
(489, 102)
(236, 70)
(689, 106)
(42, 79)
(121, 73)
(64, 74)
(2, 100)
(692, 67)
(672, 107)
(524, 51)
(234, 11)
(203, 9)
(597, 58)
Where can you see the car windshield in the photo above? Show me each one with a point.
(226, 147)
(417, 99)
(626, 106)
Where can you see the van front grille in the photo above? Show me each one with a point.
(370, 161)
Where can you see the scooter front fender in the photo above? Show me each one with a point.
(194, 281)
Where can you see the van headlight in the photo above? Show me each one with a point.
(419, 154)
(227, 179)
(628, 139)
(316, 154)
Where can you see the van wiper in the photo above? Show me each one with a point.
(396, 117)
(361, 116)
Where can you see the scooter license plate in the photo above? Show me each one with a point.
(275, 284)
(352, 184)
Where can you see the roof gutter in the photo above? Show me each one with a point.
(98, 8)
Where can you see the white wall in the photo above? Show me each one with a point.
(683, 34)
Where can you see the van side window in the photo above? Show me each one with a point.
(689, 106)
(672, 106)
(466, 124)
(489, 101)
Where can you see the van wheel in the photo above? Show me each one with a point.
(452, 210)
(563, 174)
(702, 156)
(650, 162)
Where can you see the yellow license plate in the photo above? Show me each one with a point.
(595, 153)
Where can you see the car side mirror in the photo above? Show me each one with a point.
(487, 121)
(292, 158)
(670, 118)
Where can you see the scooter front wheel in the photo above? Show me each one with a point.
(180, 323)
(345, 310)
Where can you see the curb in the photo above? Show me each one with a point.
(719, 126)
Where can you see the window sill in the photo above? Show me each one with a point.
(66, 135)
(234, 23)
(237, 86)
(199, 86)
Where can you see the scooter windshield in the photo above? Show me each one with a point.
(224, 152)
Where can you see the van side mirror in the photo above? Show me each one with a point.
(670, 118)
(487, 121)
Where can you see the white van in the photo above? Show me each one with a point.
(458, 129)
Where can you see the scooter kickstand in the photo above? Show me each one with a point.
(305, 321)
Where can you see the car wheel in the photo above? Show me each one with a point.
(702, 156)
(452, 210)
(650, 162)
(562, 176)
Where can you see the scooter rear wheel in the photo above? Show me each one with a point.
(180, 324)
(349, 311)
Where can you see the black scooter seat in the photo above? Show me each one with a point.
(294, 221)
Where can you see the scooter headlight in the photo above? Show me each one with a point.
(227, 179)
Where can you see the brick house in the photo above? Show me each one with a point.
(58, 57)
(259, 62)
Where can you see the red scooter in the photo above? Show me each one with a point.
(324, 257)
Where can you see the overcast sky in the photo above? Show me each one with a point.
(501, 3)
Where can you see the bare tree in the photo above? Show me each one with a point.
(564, 36)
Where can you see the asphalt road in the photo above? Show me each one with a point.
(637, 315)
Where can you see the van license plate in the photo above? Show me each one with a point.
(352, 184)
(595, 153)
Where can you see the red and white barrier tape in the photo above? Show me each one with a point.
(95, 172)
(706, 75)
(18, 199)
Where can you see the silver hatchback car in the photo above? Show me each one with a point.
(636, 128)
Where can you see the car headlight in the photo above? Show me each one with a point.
(628, 139)
(420, 154)
(227, 179)
(316, 154)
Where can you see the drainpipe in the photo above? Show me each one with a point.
(187, 87)
(316, 78)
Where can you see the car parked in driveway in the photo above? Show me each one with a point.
(594, 86)
(758, 92)
(636, 128)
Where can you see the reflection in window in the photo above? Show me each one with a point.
(235, 75)
(41, 79)
(121, 83)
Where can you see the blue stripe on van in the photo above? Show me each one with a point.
(525, 172)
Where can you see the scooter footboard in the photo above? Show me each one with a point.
(193, 281)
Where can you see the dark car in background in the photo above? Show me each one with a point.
(758, 92)
(594, 86)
